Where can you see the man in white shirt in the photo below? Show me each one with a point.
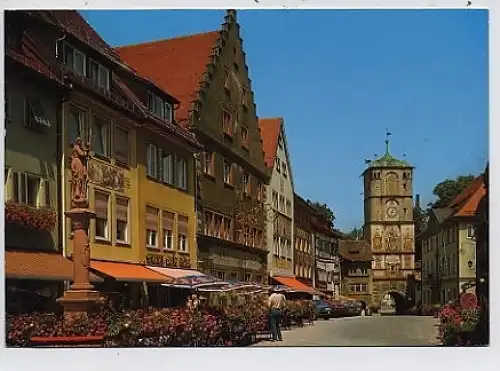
(276, 304)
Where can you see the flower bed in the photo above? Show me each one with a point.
(30, 217)
(179, 327)
(298, 311)
(457, 326)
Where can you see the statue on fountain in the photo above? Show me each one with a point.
(79, 174)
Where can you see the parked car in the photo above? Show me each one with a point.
(323, 309)
(338, 308)
(353, 308)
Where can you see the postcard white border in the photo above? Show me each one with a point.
(278, 358)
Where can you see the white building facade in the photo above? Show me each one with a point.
(279, 198)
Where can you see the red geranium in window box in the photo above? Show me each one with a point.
(30, 217)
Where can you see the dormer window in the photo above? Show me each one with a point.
(79, 63)
(75, 59)
(159, 107)
(98, 74)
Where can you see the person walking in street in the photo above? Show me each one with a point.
(276, 303)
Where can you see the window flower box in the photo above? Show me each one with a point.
(30, 217)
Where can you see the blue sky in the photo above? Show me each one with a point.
(341, 77)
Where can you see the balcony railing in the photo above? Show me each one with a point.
(105, 93)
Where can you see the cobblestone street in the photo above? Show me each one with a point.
(363, 331)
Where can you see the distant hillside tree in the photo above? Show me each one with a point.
(449, 189)
(355, 234)
(324, 210)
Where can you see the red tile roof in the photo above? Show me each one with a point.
(355, 250)
(270, 129)
(176, 65)
(72, 21)
(39, 265)
(466, 203)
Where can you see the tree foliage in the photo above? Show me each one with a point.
(420, 219)
(355, 233)
(447, 190)
(324, 210)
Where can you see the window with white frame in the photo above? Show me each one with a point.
(209, 163)
(101, 208)
(30, 189)
(282, 204)
(168, 230)
(99, 133)
(98, 74)
(228, 170)
(276, 245)
(278, 165)
(152, 227)
(76, 119)
(121, 145)
(218, 225)
(151, 161)
(159, 107)
(285, 172)
(122, 225)
(6, 180)
(181, 173)
(275, 200)
(471, 233)
(166, 167)
(183, 232)
(34, 115)
(75, 59)
(246, 183)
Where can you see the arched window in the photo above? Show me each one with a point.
(391, 181)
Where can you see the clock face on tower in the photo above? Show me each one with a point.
(391, 209)
(391, 212)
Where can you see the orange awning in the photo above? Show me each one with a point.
(37, 265)
(127, 272)
(294, 284)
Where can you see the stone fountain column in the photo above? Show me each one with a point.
(82, 297)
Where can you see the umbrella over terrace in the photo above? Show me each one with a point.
(187, 278)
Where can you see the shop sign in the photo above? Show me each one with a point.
(165, 261)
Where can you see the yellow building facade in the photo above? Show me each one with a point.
(125, 191)
(166, 205)
(113, 180)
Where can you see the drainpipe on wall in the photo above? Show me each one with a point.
(197, 205)
(57, 45)
(61, 187)
(313, 246)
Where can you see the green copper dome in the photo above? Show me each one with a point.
(387, 160)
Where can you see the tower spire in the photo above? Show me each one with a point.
(387, 135)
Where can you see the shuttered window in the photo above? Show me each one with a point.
(151, 226)
(122, 233)
(101, 205)
(168, 229)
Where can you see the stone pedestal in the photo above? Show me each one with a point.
(82, 297)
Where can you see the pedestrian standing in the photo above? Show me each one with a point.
(276, 303)
(195, 301)
(189, 303)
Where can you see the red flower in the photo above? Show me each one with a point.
(30, 217)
